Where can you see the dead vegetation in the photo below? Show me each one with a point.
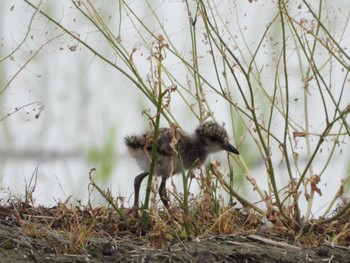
(208, 230)
(85, 230)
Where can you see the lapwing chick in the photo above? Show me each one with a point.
(173, 145)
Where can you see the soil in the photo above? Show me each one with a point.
(214, 249)
(210, 249)
(62, 234)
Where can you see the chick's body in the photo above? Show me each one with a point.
(173, 145)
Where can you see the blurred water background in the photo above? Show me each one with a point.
(89, 107)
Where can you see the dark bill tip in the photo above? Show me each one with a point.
(228, 147)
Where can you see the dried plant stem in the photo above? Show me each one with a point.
(227, 187)
(342, 212)
(106, 196)
(337, 195)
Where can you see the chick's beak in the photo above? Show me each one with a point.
(228, 147)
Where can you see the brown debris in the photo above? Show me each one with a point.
(314, 180)
(299, 134)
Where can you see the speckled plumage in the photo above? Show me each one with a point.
(209, 137)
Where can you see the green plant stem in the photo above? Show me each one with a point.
(185, 206)
(250, 104)
(319, 143)
(338, 194)
(330, 37)
(307, 124)
(137, 80)
(281, 6)
(240, 198)
(343, 212)
(156, 126)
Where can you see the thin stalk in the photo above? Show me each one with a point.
(76, 37)
(330, 37)
(308, 149)
(136, 80)
(338, 194)
(109, 198)
(319, 143)
(316, 70)
(192, 26)
(343, 212)
(249, 102)
(286, 83)
(307, 124)
(34, 54)
(241, 199)
(159, 58)
(185, 207)
(23, 41)
(175, 52)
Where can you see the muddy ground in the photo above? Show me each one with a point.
(210, 249)
(85, 234)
